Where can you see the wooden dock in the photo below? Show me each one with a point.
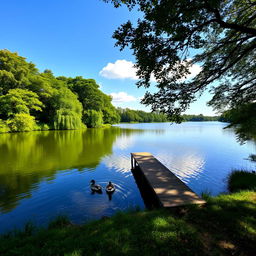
(169, 189)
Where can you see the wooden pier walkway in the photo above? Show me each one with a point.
(169, 189)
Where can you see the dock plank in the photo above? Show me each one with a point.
(170, 190)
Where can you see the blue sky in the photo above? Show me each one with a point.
(75, 38)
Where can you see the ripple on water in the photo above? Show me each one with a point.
(120, 162)
(86, 205)
(186, 167)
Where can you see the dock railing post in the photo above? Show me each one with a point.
(132, 161)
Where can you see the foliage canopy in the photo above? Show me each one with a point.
(18, 101)
(220, 36)
(244, 119)
(92, 98)
(31, 100)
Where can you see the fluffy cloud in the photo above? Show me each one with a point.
(121, 69)
(122, 97)
(194, 70)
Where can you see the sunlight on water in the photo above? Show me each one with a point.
(185, 166)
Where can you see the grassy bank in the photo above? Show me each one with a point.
(225, 226)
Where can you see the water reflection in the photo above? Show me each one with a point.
(43, 174)
(121, 162)
(186, 166)
(27, 158)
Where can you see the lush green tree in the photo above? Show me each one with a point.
(92, 98)
(93, 118)
(18, 101)
(56, 103)
(243, 118)
(22, 122)
(67, 110)
(110, 114)
(7, 81)
(4, 126)
(14, 71)
(222, 35)
(55, 95)
(66, 119)
(88, 92)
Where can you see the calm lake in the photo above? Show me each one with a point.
(44, 174)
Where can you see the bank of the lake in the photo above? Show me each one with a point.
(225, 226)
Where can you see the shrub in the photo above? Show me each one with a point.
(22, 123)
(44, 127)
(41, 127)
(4, 127)
(66, 119)
(241, 180)
(93, 118)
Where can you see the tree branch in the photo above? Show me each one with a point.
(234, 26)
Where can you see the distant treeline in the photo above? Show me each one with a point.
(129, 115)
(203, 118)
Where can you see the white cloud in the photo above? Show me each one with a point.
(194, 70)
(122, 97)
(121, 69)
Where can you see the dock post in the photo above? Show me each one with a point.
(132, 161)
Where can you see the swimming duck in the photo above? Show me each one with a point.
(110, 188)
(95, 187)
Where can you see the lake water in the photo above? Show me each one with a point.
(44, 174)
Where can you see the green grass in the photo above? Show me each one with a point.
(241, 180)
(225, 226)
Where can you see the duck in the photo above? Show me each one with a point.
(95, 187)
(110, 188)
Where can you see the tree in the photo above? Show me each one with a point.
(18, 101)
(88, 92)
(24, 90)
(92, 98)
(110, 114)
(14, 71)
(93, 118)
(22, 122)
(243, 118)
(66, 119)
(222, 35)
(66, 110)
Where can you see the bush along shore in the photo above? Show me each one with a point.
(224, 226)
